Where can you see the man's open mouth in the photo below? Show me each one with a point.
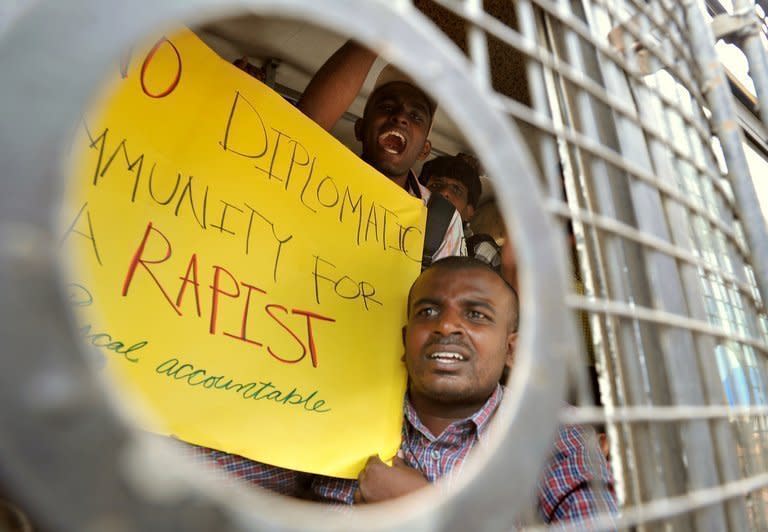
(393, 142)
(447, 357)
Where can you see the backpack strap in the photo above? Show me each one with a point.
(412, 186)
(439, 214)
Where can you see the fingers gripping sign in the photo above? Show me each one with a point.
(379, 482)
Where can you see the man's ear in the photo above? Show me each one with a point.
(403, 331)
(426, 150)
(511, 345)
(359, 129)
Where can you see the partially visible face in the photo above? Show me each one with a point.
(459, 336)
(394, 129)
(454, 191)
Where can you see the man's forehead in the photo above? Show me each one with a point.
(400, 90)
(446, 179)
(433, 283)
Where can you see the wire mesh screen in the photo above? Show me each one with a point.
(619, 115)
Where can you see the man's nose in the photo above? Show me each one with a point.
(449, 323)
(399, 115)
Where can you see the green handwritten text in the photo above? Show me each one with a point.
(256, 391)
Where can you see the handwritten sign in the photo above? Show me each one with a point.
(243, 274)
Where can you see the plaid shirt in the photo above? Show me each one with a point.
(574, 485)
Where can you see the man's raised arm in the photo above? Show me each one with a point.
(335, 86)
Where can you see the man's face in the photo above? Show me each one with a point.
(459, 336)
(454, 191)
(394, 129)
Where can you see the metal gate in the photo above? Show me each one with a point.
(630, 143)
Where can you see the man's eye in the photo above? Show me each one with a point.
(457, 190)
(426, 312)
(476, 315)
(416, 117)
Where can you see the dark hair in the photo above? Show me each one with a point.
(454, 167)
(457, 263)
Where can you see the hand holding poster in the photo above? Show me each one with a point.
(243, 273)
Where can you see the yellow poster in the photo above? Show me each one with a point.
(241, 273)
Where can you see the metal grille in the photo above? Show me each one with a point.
(630, 121)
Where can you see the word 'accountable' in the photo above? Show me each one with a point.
(253, 391)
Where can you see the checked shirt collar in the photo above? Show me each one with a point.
(479, 421)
